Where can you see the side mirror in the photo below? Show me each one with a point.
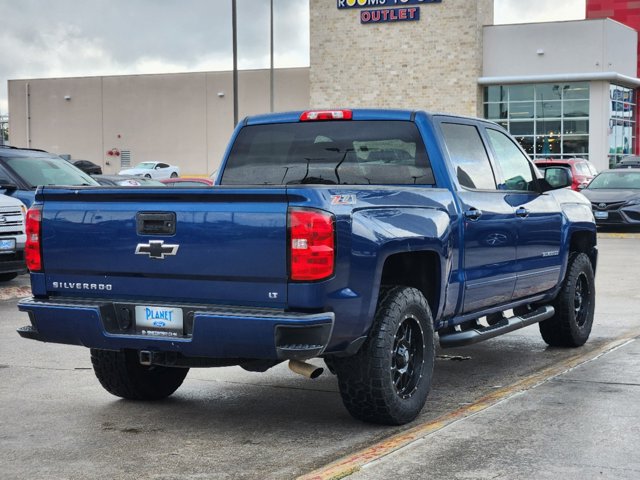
(558, 177)
(7, 185)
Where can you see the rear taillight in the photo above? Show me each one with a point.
(315, 115)
(312, 244)
(32, 251)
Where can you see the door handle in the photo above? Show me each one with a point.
(522, 212)
(156, 223)
(473, 214)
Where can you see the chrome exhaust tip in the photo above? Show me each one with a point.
(305, 369)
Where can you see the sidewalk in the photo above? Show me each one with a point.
(583, 424)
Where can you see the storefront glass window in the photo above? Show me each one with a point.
(520, 110)
(521, 93)
(495, 94)
(547, 119)
(549, 109)
(622, 123)
(576, 108)
(521, 128)
(549, 127)
(495, 110)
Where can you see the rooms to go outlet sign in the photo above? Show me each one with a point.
(397, 11)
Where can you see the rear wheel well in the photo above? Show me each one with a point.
(419, 270)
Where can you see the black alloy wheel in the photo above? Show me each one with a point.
(581, 301)
(408, 357)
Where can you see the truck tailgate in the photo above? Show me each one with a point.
(207, 245)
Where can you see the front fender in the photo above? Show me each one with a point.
(579, 231)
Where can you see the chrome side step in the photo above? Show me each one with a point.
(468, 337)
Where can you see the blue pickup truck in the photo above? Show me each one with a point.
(351, 235)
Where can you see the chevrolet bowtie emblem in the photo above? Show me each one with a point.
(156, 249)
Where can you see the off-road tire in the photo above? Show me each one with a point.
(5, 277)
(330, 363)
(121, 374)
(372, 385)
(574, 306)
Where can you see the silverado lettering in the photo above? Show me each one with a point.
(82, 286)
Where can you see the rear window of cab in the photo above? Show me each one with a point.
(332, 152)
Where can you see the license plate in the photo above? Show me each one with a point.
(159, 321)
(601, 215)
(8, 245)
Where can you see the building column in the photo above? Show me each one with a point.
(599, 113)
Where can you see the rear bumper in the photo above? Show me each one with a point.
(210, 332)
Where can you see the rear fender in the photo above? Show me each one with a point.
(379, 233)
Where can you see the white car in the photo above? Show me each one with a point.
(12, 238)
(155, 170)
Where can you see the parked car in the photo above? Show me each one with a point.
(631, 161)
(188, 182)
(126, 181)
(615, 197)
(582, 170)
(12, 238)
(88, 167)
(155, 170)
(23, 169)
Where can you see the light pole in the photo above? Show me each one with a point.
(271, 72)
(235, 61)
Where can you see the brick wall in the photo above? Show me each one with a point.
(433, 63)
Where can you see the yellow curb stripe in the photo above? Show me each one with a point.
(348, 465)
(618, 235)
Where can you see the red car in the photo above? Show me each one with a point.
(188, 182)
(582, 170)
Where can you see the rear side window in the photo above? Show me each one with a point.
(469, 157)
(47, 171)
(344, 153)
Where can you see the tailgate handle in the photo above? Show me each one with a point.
(156, 223)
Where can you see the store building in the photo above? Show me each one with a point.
(562, 88)
(184, 119)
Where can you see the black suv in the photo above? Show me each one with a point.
(23, 169)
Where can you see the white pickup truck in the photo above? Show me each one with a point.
(12, 238)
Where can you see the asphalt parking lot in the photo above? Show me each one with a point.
(57, 422)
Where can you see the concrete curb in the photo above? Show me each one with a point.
(346, 466)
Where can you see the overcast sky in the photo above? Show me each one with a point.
(65, 38)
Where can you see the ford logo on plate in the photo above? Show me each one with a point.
(158, 323)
